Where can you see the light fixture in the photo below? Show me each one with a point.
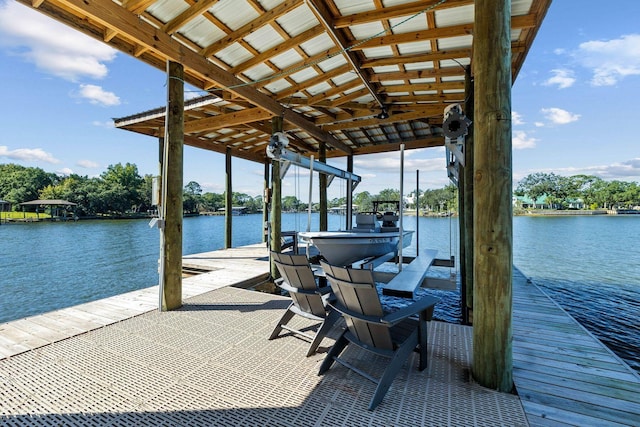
(383, 114)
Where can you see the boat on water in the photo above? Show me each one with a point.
(375, 234)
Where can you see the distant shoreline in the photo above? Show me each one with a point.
(569, 212)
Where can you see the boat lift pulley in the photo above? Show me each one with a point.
(455, 127)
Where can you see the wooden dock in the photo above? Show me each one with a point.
(240, 267)
(563, 374)
(210, 364)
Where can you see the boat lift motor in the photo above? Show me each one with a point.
(455, 127)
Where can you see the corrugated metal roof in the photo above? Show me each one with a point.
(331, 63)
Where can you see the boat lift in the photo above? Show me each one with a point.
(277, 150)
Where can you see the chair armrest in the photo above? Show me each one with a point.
(325, 290)
(287, 287)
(422, 304)
(341, 309)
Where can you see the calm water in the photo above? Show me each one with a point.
(590, 265)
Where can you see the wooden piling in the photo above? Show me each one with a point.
(228, 205)
(466, 210)
(172, 180)
(493, 235)
(276, 200)
(265, 201)
(322, 183)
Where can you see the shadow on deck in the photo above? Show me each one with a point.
(211, 364)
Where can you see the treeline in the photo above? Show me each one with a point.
(118, 191)
(586, 191)
(121, 190)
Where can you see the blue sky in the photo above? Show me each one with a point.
(574, 106)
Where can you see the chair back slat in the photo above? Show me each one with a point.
(299, 273)
(362, 298)
(296, 271)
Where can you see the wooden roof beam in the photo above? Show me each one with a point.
(427, 142)
(137, 6)
(418, 74)
(294, 68)
(222, 149)
(110, 14)
(517, 22)
(196, 9)
(278, 49)
(266, 129)
(426, 109)
(227, 120)
(418, 57)
(325, 18)
(413, 87)
(395, 12)
(375, 121)
(335, 91)
(314, 81)
(262, 20)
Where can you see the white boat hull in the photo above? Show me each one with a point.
(347, 247)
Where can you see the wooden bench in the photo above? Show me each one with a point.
(405, 283)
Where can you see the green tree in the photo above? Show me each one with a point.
(554, 188)
(388, 194)
(290, 204)
(364, 201)
(240, 199)
(191, 197)
(21, 184)
(211, 202)
(585, 187)
(121, 190)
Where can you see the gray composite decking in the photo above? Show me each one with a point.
(236, 266)
(563, 374)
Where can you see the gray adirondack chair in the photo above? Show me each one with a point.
(393, 335)
(307, 299)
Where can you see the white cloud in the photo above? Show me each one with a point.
(390, 162)
(559, 116)
(89, 164)
(106, 124)
(611, 60)
(215, 187)
(516, 119)
(69, 54)
(65, 171)
(27, 154)
(538, 124)
(97, 95)
(520, 140)
(628, 170)
(562, 78)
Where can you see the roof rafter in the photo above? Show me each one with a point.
(325, 18)
(395, 12)
(264, 19)
(113, 16)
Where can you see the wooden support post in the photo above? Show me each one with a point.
(349, 219)
(228, 205)
(265, 202)
(466, 213)
(276, 200)
(172, 189)
(492, 213)
(322, 179)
